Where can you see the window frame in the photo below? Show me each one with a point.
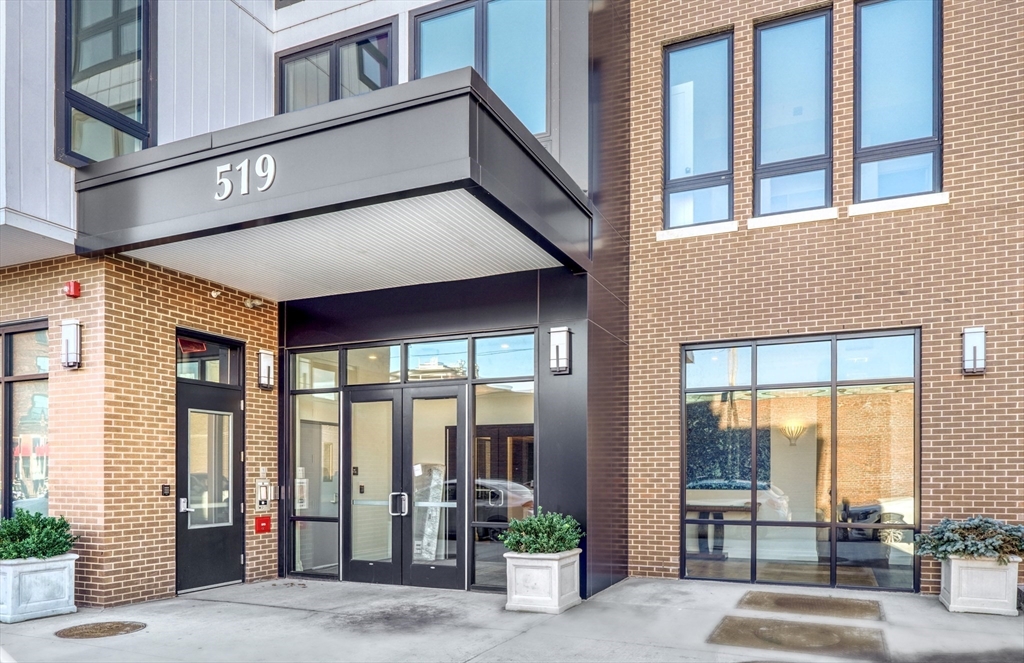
(333, 44)
(707, 180)
(833, 525)
(803, 164)
(917, 146)
(68, 99)
(419, 15)
(8, 330)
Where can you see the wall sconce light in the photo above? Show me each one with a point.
(974, 349)
(266, 380)
(792, 430)
(70, 344)
(561, 350)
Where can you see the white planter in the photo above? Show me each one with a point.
(543, 583)
(31, 588)
(980, 584)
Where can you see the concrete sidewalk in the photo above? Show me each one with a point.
(637, 620)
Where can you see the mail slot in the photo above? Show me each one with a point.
(262, 524)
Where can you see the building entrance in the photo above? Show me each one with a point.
(210, 523)
(404, 499)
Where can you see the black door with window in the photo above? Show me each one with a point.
(210, 483)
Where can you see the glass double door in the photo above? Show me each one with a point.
(404, 507)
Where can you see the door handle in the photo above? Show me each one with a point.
(183, 505)
(391, 503)
(405, 504)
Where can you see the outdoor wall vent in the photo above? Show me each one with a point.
(974, 350)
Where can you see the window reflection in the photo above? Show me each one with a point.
(878, 358)
(447, 42)
(30, 471)
(316, 370)
(794, 362)
(440, 360)
(307, 81)
(376, 365)
(316, 548)
(720, 367)
(698, 111)
(686, 208)
(317, 487)
(517, 58)
(106, 57)
(30, 354)
(875, 558)
(794, 555)
(504, 356)
(206, 361)
(504, 452)
(719, 552)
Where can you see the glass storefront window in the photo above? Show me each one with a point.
(371, 472)
(504, 453)
(315, 548)
(718, 458)
(437, 360)
(316, 370)
(30, 353)
(376, 365)
(317, 453)
(797, 555)
(206, 361)
(504, 356)
(30, 475)
(717, 552)
(875, 558)
(794, 362)
(719, 367)
(877, 358)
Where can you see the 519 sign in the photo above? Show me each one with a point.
(265, 168)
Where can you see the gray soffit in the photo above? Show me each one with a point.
(445, 236)
(354, 178)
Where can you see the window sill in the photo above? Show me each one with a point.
(698, 230)
(803, 216)
(895, 204)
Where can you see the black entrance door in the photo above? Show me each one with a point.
(210, 484)
(405, 503)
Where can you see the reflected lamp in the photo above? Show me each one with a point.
(792, 430)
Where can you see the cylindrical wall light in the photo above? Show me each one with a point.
(70, 344)
(266, 380)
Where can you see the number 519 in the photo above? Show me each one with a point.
(266, 168)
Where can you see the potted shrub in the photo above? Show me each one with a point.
(37, 569)
(543, 564)
(979, 563)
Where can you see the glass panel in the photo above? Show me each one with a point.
(316, 548)
(435, 475)
(686, 208)
(904, 176)
(875, 558)
(720, 367)
(875, 454)
(97, 140)
(876, 358)
(698, 110)
(788, 193)
(30, 467)
(718, 466)
(377, 365)
(794, 554)
(517, 58)
(307, 81)
(316, 370)
(205, 360)
(106, 56)
(317, 454)
(448, 42)
(504, 453)
(372, 430)
(209, 469)
(488, 558)
(897, 74)
(718, 551)
(365, 66)
(30, 353)
(798, 446)
(793, 93)
(440, 360)
(794, 362)
(504, 356)
(3, 476)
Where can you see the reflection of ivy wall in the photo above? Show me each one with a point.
(718, 442)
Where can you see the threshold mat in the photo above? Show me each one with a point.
(821, 639)
(801, 604)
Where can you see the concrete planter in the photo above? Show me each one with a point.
(543, 583)
(31, 588)
(980, 584)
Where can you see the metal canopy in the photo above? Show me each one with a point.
(349, 175)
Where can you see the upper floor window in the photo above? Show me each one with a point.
(793, 114)
(346, 66)
(698, 168)
(897, 99)
(105, 94)
(505, 40)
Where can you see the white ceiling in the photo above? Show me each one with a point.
(448, 236)
(19, 246)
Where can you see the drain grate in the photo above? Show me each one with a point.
(99, 630)
(812, 605)
(822, 639)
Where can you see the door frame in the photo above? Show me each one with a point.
(238, 433)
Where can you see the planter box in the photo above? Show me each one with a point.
(543, 583)
(980, 584)
(31, 588)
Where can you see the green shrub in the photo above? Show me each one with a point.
(34, 535)
(543, 533)
(974, 537)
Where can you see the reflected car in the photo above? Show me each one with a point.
(774, 504)
(496, 501)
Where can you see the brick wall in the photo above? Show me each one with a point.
(112, 428)
(939, 268)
